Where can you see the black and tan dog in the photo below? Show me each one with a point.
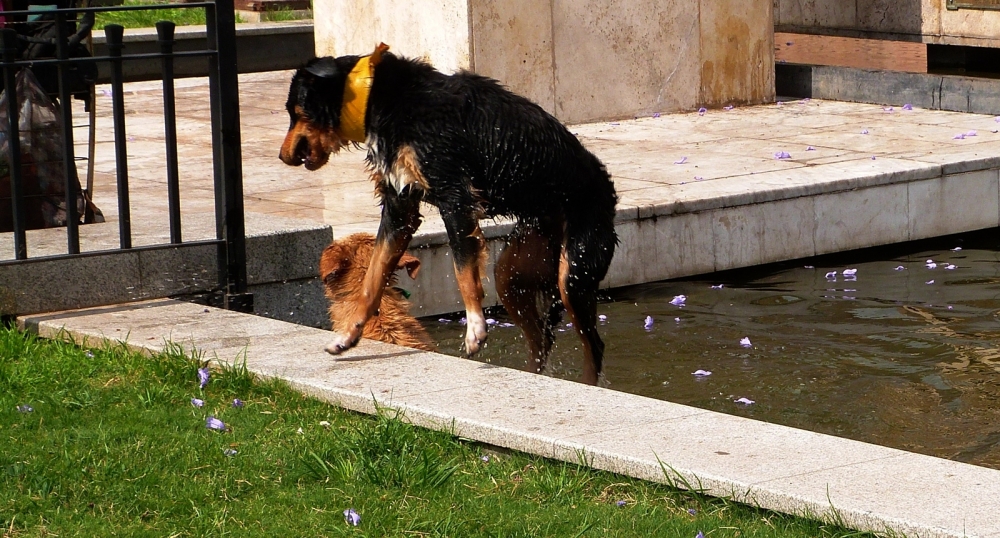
(471, 148)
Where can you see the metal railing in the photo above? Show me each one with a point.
(220, 50)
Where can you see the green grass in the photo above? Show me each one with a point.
(148, 19)
(113, 447)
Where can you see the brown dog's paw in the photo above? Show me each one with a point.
(340, 343)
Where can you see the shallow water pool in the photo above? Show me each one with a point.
(905, 353)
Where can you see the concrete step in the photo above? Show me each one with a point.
(859, 485)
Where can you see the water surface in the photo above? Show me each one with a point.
(907, 358)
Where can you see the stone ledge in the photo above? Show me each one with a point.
(279, 250)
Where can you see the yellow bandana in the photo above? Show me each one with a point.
(356, 90)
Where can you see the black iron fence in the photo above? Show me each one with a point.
(67, 25)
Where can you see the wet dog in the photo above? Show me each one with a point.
(466, 145)
(342, 267)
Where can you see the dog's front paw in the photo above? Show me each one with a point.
(475, 334)
(340, 343)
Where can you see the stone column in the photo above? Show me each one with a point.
(582, 60)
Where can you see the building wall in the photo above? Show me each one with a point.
(928, 21)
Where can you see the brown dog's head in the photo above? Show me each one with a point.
(344, 262)
(326, 102)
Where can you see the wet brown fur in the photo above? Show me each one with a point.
(342, 267)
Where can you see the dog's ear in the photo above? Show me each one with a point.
(325, 67)
(411, 264)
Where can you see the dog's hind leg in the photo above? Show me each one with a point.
(469, 248)
(525, 274)
(400, 219)
(583, 263)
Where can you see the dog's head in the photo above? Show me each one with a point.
(327, 103)
(343, 264)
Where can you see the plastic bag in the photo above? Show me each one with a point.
(43, 181)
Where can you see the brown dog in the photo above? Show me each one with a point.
(343, 266)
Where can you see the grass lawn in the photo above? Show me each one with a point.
(107, 442)
(179, 16)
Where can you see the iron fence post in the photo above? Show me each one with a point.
(224, 92)
(165, 37)
(69, 159)
(113, 34)
(14, 143)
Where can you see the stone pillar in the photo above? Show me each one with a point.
(583, 60)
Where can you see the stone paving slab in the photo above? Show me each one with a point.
(864, 486)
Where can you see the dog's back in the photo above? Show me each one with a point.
(342, 268)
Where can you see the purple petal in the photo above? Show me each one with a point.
(648, 325)
(656, 114)
(930, 281)
(744, 401)
(970, 133)
(569, 324)
(951, 267)
(491, 321)
(602, 317)
(614, 123)
(699, 535)
(485, 458)
(810, 148)
(682, 161)
(907, 106)
(213, 423)
(873, 157)
(203, 375)
(352, 517)
(931, 265)
(230, 452)
(956, 249)
(25, 408)
(506, 324)
(745, 342)
(727, 107)
(462, 321)
(238, 403)
(782, 155)
(832, 275)
(197, 402)
(621, 503)
(699, 178)
(692, 511)
(888, 109)
(959, 136)
(900, 268)
(444, 320)
(702, 111)
(850, 272)
(678, 300)
(717, 287)
(864, 131)
(701, 373)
